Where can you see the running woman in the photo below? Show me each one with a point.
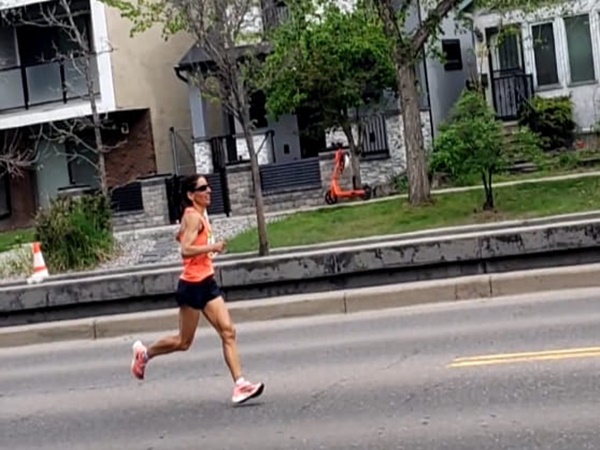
(197, 292)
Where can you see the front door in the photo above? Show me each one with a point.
(507, 71)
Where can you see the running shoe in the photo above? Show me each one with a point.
(245, 391)
(139, 360)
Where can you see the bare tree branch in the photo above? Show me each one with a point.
(78, 58)
(15, 155)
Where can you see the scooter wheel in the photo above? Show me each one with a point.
(368, 192)
(330, 199)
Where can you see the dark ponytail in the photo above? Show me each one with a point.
(188, 184)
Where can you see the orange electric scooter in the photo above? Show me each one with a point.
(335, 192)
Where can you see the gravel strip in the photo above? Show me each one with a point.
(150, 246)
(159, 245)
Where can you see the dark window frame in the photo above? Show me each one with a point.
(574, 20)
(554, 77)
(452, 51)
(5, 180)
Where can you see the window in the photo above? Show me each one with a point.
(82, 165)
(506, 50)
(8, 48)
(258, 109)
(545, 54)
(579, 44)
(452, 54)
(4, 196)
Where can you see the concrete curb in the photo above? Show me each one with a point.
(336, 302)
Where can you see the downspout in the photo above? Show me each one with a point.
(426, 73)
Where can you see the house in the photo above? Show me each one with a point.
(42, 83)
(552, 52)
(296, 166)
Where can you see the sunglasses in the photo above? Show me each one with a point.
(202, 188)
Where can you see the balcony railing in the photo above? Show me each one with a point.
(275, 14)
(23, 87)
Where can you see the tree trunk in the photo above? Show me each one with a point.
(355, 162)
(261, 223)
(489, 193)
(416, 160)
(97, 124)
(355, 159)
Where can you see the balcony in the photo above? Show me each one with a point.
(24, 87)
(40, 63)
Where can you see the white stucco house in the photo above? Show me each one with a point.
(553, 52)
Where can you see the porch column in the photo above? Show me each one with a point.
(203, 157)
(155, 199)
(202, 150)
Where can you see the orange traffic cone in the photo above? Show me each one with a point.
(40, 271)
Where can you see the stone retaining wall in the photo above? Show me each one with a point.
(427, 258)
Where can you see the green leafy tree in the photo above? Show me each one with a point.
(411, 44)
(472, 142)
(226, 32)
(335, 62)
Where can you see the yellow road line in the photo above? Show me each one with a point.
(522, 354)
(525, 357)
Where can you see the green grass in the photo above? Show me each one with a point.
(396, 216)
(9, 239)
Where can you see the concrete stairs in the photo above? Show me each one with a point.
(509, 130)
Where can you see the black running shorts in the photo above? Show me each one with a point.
(197, 294)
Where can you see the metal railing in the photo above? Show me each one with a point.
(274, 14)
(290, 176)
(512, 92)
(225, 151)
(61, 81)
(374, 139)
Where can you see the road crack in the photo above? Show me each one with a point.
(319, 395)
(398, 361)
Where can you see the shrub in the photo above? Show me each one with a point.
(552, 120)
(76, 234)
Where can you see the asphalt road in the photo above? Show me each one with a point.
(385, 380)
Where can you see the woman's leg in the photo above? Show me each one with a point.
(217, 314)
(188, 323)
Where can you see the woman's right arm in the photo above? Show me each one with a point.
(191, 226)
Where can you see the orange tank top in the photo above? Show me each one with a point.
(199, 267)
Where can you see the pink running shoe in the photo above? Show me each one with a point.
(245, 391)
(139, 360)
